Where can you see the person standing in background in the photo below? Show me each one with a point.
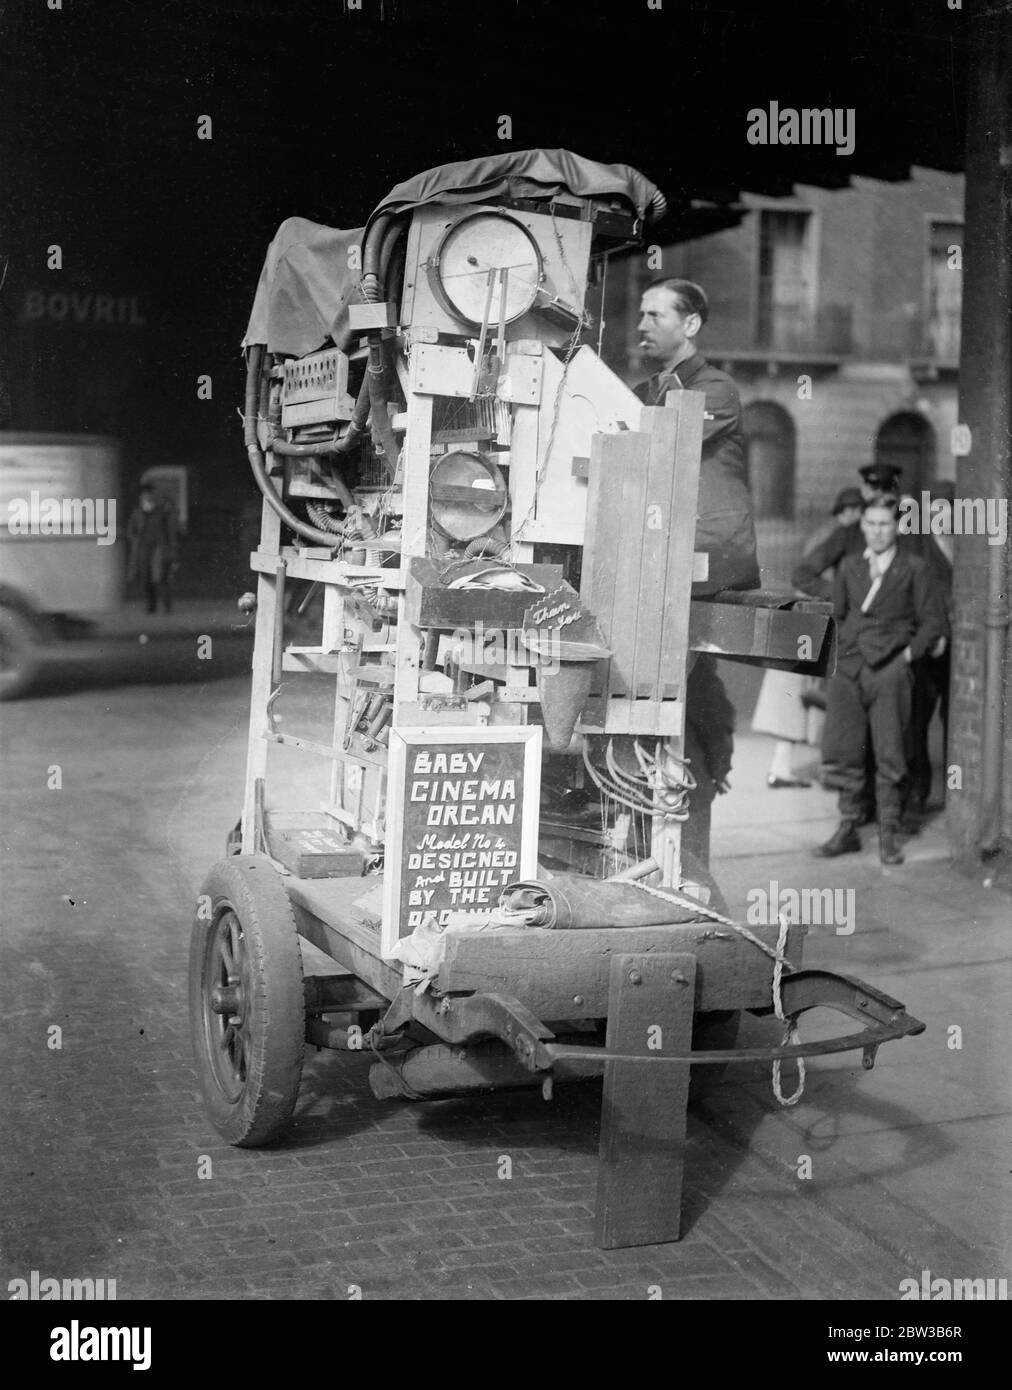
(931, 676)
(890, 612)
(783, 709)
(152, 542)
(845, 538)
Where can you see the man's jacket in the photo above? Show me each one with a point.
(725, 530)
(841, 541)
(908, 610)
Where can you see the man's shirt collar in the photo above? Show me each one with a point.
(882, 560)
(685, 370)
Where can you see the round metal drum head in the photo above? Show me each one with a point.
(468, 495)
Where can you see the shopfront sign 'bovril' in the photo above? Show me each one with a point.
(465, 822)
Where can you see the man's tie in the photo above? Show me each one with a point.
(877, 576)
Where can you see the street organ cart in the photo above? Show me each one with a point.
(498, 540)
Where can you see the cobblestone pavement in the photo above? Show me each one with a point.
(105, 1137)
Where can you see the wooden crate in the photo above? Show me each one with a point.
(312, 845)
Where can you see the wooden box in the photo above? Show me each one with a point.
(312, 845)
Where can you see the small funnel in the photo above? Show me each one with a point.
(563, 695)
(568, 650)
(563, 691)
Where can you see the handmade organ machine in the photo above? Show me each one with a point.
(498, 539)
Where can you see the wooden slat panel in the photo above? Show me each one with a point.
(688, 409)
(653, 526)
(602, 555)
(627, 521)
(622, 716)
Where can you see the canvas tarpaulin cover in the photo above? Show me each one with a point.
(307, 281)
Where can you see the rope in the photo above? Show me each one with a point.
(792, 1034)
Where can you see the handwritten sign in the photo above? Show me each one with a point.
(461, 822)
(557, 609)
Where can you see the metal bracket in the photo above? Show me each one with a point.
(459, 1018)
(464, 1018)
(801, 991)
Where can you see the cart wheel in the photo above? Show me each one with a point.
(247, 1001)
(19, 662)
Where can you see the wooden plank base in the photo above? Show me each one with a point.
(643, 1108)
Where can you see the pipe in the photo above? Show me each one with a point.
(390, 240)
(324, 520)
(381, 427)
(657, 207)
(987, 352)
(372, 251)
(256, 457)
(336, 444)
(486, 545)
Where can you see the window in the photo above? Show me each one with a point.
(769, 457)
(945, 287)
(785, 280)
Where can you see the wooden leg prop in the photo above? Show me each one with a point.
(639, 1185)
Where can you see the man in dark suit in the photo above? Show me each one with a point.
(889, 612)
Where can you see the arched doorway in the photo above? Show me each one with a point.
(907, 441)
(770, 460)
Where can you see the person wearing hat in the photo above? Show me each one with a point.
(879, 477)
(787, 708)
(845, 538)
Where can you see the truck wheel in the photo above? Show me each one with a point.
(247, 1001)
(19, 658)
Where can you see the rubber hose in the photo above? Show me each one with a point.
(486, 545)
(324, 520)
(371, 258)
(382, 428)
(335, 444)
(390, 240)
(256, 457)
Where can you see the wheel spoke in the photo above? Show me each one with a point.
(227, 960)
(235, 940)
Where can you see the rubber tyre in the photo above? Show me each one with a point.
(19, 661)
(249, 1061)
